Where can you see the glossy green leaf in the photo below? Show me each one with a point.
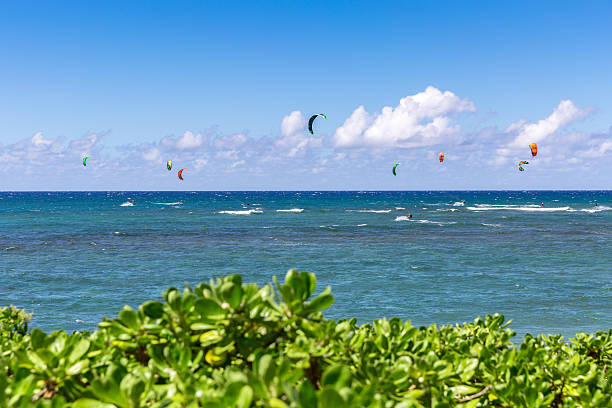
(91, 403)
(245, 397)
(209, 309)
(321, 302)
(79, 350)
(153, 310)
(129, 318)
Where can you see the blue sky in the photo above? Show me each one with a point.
(224, 89)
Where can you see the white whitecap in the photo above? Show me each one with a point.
(434, 222)
(406, 218)
(174, 203)
(127, 204)
(371, 211)
(291, 210)
(512, 207)
(242, 212)
(595, 209)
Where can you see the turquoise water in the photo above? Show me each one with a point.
(74, 257)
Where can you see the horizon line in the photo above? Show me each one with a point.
(288, 191)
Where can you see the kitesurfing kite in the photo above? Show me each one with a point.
(85, 160)
(520, 167)
(441, 157)
(169, 165)
(396, 164)
(180, 173)
(534, 149)
(312, 118)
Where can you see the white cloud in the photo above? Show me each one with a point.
(238, 163)
(230, 141)
(518, 125)
(227, 154)
(39, 141)
(293, 139)
(554, 142)
(200, 163)
(347, 135)
(188, 141)
(293, 123)
(564, 114)
(597, 151)
(152, 154)
(83, 145)
(359, 151)
(38, 151)
(419, 120)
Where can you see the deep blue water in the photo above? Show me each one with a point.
(74, 257)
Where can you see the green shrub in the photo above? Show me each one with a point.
(230, 344)
(13, 322)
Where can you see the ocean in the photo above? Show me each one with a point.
(74, 257)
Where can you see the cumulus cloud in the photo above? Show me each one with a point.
(189, 141)
(84, 144)
(293, 123)
(40, 151)
(38, 141)
(360, 149)
(598, 151)
(564, 114)
(423, 119)
(552, 136)
(595, 146)
(200, 163)
(227, 154)
(238, 163)
(230, 141)
(293, 139)
(152, 154)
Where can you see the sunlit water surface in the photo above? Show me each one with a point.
(73, 258)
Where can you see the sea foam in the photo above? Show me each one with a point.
(512, 207)
(291, 210)
(241, 212)
(371, 211)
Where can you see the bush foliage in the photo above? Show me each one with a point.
(230, 344)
